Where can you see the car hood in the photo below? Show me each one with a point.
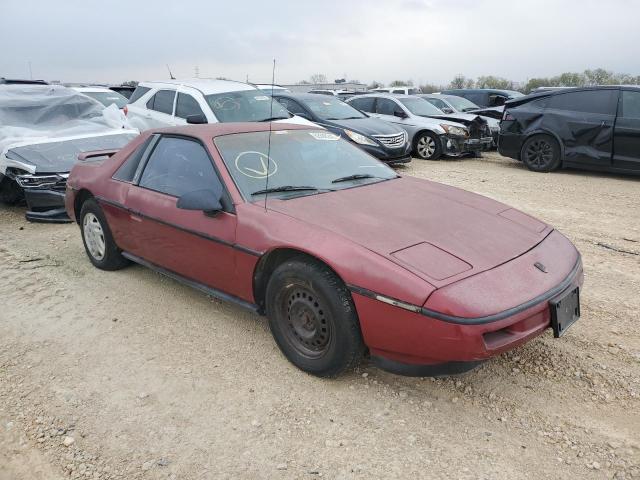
(367, 126)
(59, 156)
(440, 233)
(463, 118)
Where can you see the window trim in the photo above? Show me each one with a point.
(175, 109)
(227, 200)
(153, 97)
(150, 144)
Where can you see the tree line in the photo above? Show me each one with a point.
(598, 76)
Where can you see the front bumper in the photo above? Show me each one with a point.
(392, 156)
(457, 146)
(510, 145)
(45, 205)
(487, 314)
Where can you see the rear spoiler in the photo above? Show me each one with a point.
(96, 153)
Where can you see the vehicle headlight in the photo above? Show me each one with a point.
(360, 139)
(456, 131)
(39, 181)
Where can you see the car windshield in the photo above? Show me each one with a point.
(420, 107)
(332, 109)
(301, 162)
(107, 98)
(245, 106)
(462, 104)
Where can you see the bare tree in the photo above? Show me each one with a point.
(401, 83)
(318, 78)
(460, 81)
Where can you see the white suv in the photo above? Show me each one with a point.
(172, 102)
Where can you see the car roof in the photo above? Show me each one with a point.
(207, 86)
(212, 130)
(92, 89)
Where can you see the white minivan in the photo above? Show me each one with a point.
(172, 102)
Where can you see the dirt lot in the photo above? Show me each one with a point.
(131, 375)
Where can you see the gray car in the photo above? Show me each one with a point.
(451, 104)
(430, 137)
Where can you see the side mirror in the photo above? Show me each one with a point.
(399, 114)
(208, 201)
(197, 119)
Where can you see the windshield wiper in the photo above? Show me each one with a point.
(356, 176)
(285, 188)
(273, 119)
(345, 118)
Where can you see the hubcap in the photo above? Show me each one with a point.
(307, 327)
(93, 236)
(426, 147)
(539, 153)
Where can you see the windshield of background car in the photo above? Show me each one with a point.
(420, 107)
(299, 158)
(462, 104)
(245, 106)
(332, 109)
(107, 98)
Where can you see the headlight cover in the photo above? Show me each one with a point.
(456, 131)
(360, 139)
(39, 181)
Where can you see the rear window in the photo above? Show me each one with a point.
(137, 93)
(590, 101)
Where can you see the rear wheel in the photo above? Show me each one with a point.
(98, 241)
(541, 153)
(428, 146)
(313, 319)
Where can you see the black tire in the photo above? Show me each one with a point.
(427, 146)
(313, 319)
(541, 153)
(91, 216)
(10, 192)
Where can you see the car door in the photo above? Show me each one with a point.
(186, 106)
(386, 109)
(626, 140)
(188, 243)
(159, 112)
(584, 121)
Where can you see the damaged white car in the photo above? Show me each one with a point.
(43, 129)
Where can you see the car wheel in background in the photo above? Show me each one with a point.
(98, 241)
(10, 192)
(541, 153)
(428, 146)
(313, 319)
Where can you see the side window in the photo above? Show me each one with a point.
(477, 98)
(291, 105)
(364, 104)
(497, 100)
(384, 106)
(127, 170)
(162, 101)
(399, 91)
(137, 93)
(178, 166)
(589, 101)
(187, 105)
(630, 104)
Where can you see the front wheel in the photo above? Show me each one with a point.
(541, 153)
(428, 146)
(97, 238)
(313, 319)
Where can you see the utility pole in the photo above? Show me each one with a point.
(30, 72)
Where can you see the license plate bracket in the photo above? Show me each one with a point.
(565, 311)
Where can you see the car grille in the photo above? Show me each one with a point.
(60, 185)
(392, 141)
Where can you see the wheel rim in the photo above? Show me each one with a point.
(93, 236)
(426, 147)
(307, 327)
(539, 153)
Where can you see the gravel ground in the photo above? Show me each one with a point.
(130, 375)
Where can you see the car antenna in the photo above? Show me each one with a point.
(170, 74)
(266, 185)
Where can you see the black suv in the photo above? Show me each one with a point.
(484, 97)
(596, 128)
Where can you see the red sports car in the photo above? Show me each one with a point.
(341, 253)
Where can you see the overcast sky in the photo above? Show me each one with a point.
(383, 40)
